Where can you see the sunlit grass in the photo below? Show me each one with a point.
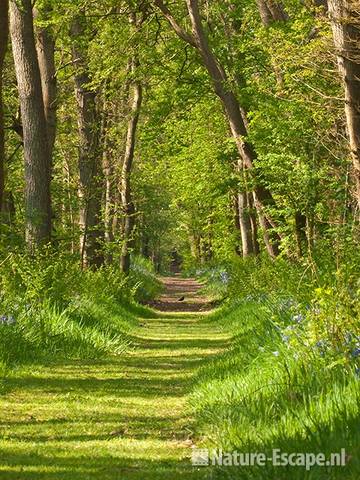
(259, 395)
(119, 417)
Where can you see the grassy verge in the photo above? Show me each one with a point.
(273, 389)
(50, 309)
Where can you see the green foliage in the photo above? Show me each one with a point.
(50, 308)
(290, 379)
(142, 279)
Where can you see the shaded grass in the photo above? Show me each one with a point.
(118, 417)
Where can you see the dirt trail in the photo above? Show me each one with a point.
(181, 295)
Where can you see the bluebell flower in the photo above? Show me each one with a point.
(355, 353)
(298, 318)
(7, 320)
(321, 345)
(224, 277)
(287, 304)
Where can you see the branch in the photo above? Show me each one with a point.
(15, 151)
(183, 34)
(184, 62)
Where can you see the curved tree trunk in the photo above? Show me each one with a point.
(36, 151)
(247, 155)
(4, 31)
(345, 19)
(126, 196)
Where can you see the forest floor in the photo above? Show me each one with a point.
(124, 417)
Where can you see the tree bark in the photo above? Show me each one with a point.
(109, 197)
(247, 155)
(108, 176)
(91, 236)
(237, 223)
(271, 11)
(254, 224)
(126, 194)
(245, 225)
(4, 33)
(45, 47)
(345, 20)
(36, 151)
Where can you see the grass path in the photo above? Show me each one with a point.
(120, 418)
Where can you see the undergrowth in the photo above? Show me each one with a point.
(50, 308)
(291, 378)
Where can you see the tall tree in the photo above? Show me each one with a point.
(4, 31)
(126, 195)
(247, 156)
(36, 150)
(345, 19)
(89, 121)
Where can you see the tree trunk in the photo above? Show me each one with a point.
(109, 197)
(345, 19)
(45, 47)
(254, 224)
(91, 236)
(271, 11)
(126, 195)
(36, 151)
(145, 245)
(237, 224)
(108, 174)
(245, 225)
(4, 33)
(247, 155)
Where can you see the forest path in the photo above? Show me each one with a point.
(120, 418)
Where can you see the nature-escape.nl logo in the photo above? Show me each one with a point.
(201, 457)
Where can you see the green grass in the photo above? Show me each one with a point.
(185, 379)
(122, 417)
(250, 400)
